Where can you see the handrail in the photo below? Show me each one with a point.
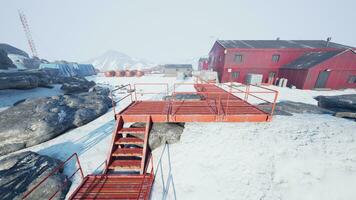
(150, 84)
(144, 176)
(114, 102)
(169, 180)
(251, 93)
(75, 155)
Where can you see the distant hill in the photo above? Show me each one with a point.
(114, 60)
(13, 50)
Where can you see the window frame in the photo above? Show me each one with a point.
(235, 75)
(274, 56)
(240, 60)
(351, 79)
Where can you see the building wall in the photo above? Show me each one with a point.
(203, 64)
(217, 59)
(341, 68)
(295, 77)
(173, 71)
(253, 61)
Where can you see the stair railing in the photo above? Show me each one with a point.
(150, 174)
(57, 169)
(169, 181)
(128, 93)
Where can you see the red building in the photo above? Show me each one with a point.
(307, 64)
(203, 64)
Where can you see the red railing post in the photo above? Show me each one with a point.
(274, 102)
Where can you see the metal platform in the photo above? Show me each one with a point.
(216, 105)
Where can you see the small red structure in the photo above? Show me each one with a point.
(110, 73)
(234, 59)
(203, 64)
(139, 73)
(129, 73)
(119, 73)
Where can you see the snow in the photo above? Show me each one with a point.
(10, 96)
(295, 157)
(303, 156)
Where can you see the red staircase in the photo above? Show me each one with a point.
(126, 175)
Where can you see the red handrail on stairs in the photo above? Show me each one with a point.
(75, 155)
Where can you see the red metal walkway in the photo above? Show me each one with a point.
(126, 175)
(217, 105)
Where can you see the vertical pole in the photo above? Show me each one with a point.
(130, 91)
(274, 102)
(80, 167)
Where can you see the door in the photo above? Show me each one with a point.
(322, 78)
(271, 77)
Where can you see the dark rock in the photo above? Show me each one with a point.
(20, 172)
(37, 120)
(100, 90)
(349, 115)
(5, 61)
(288, 107)
(76, 84)
(162, 133)
(24, 79)
(340, 103)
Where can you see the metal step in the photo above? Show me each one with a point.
(132, 130)
(128, 152)
(128, 165)
(129, 140)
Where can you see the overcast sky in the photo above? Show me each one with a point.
(167, 30)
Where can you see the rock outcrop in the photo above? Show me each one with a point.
(34, 121)
(20, 172)
(340, 103)
(76, 85)
(29, 79)
(24, 79)
(162, 133)
(289, 107)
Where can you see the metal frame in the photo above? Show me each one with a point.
(75, 155)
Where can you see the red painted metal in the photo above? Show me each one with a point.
(115, 187)
(122, 159)
(217, 104)
(60, 167)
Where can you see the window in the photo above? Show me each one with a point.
(238, 58)
(352, 79)
(275, 58)
(235, 75)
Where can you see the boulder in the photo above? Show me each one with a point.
(288, 107)
(100, 90)
(162, 133)
(340, 103)
(19, 173)
(76, 84)
(37, 120)
(24, 79)
(349, 115)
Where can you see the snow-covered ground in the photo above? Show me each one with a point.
(9, 97)
(293, 157)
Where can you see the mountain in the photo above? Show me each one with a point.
(114, 60)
